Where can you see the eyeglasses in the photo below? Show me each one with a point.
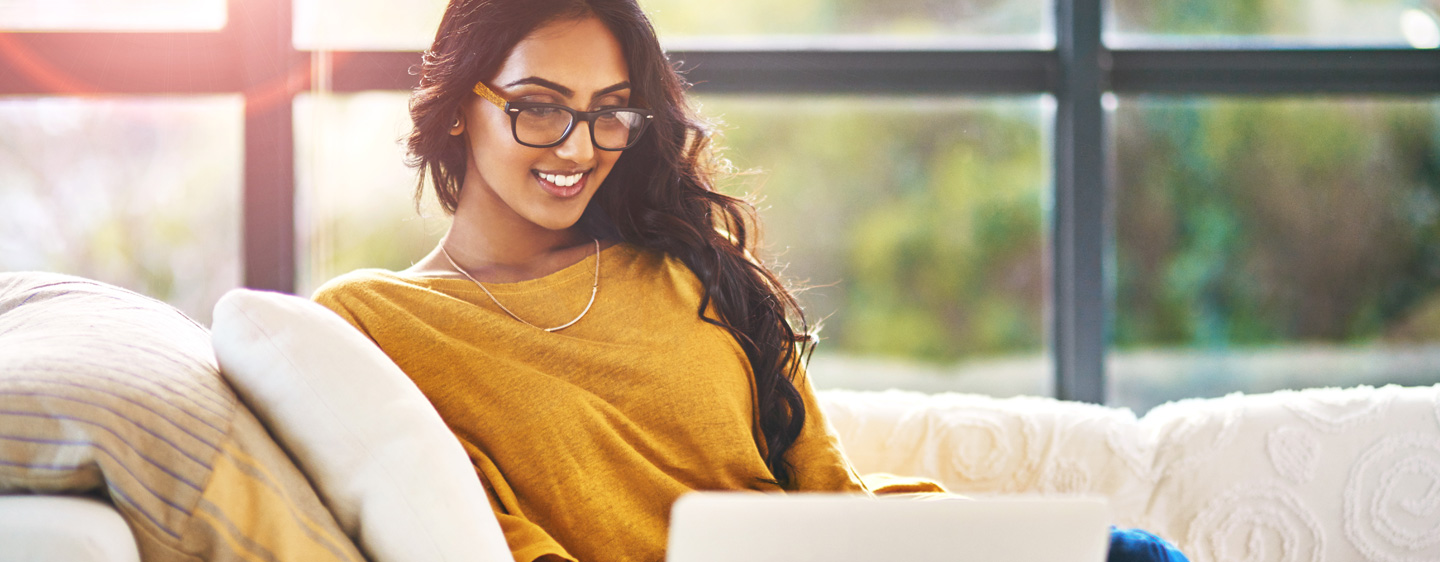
(543, 125)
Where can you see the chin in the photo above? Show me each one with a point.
(561, 216)
(557, 221)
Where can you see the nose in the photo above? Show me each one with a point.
(579, 148)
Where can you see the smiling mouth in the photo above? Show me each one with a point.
(562, 185)
(562, 180)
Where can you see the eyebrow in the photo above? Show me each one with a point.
(562, 90)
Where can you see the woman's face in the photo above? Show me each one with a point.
(577, 63)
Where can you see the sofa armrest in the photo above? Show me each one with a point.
(38, 528)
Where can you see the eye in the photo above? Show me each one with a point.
(541, 112)
(610, 102)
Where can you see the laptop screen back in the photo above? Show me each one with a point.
(753, 527)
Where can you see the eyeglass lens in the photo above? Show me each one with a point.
(614, 129)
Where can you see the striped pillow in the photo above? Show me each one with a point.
(102, 388)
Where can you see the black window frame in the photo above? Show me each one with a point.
(253, 55)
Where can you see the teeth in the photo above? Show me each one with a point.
(562, 181)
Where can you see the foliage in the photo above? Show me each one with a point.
(919, 220)
(1262, 222)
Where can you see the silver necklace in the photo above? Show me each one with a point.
(595, 288)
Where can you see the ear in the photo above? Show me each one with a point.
(459, 126)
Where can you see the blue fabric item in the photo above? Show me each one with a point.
(1136, 545)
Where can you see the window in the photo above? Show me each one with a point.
(988, 22)
(111, 15)
(1312, 22)
(1036, 197)
(1274, 243)
(354, 194)
(366, 25)
(143, 193)
(916, 222)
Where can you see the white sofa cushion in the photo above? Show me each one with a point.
(390, 470)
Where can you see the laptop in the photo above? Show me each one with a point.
(755, 527)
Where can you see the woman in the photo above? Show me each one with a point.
(592, 326)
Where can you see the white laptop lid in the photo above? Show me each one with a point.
(754, 527)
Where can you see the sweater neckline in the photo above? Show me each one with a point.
(583, 268)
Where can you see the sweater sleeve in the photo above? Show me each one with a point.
(817, 458)
(331, 296)
(528, 541)
(821, 465)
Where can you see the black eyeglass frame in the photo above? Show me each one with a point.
(514, 108)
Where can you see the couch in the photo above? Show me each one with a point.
(1320, 474)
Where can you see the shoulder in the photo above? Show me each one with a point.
(370, 299)
(360, 286)
(360, 280)
(649, 266)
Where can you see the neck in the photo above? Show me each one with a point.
(488, 233)
(478, 247)
(504, 248)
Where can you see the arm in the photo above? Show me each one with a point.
(527, 540)
(821, 465)
(818, 459)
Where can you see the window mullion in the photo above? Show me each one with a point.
(262, 31)
(1078, 290)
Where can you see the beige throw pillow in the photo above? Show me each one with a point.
(105, 390)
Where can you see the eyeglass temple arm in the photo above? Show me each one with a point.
(485, 92)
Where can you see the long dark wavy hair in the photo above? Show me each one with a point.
(660, 194)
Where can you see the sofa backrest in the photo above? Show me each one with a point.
(1330, 474)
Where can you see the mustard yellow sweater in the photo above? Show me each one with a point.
(585, 437)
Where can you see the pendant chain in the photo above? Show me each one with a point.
(595, 288)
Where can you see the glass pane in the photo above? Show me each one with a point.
(1321, 22)
(354, 194)
(919, 224)
(1025, 21)
(112, 15)
(366, 25)
(384, 25)
(141, 193)
(1270, 244)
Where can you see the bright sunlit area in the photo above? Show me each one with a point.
(112, 15)
(1302, 22)
(142, 192)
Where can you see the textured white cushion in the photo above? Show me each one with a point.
(979, 445)
(63, 529)
(382, 459)
(1318, 474)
